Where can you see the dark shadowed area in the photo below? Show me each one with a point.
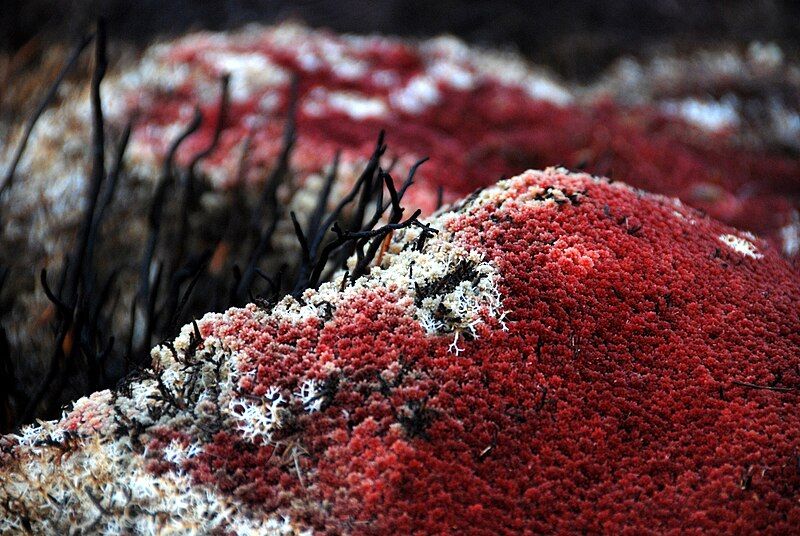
(577, 38)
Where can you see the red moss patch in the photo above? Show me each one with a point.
(648, 381)
(477, 134)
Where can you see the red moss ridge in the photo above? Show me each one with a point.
(643, 377)
(647, 381)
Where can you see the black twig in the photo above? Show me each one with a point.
(45, 102)
(79, 275)
(114, 173)
(193, 271)
(344, 237)
(439, 196)
(268, 202)
(110, 188)
(315, 230)
(70, 336)
(61, 308)
(189, 184)
(157, 205)
(766, 387)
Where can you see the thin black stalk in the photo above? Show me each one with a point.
(268, 203)
(150, 315)
(45, 102)
(368, 172)
(157, 205)
(114, 173)
(79, 275)
(110, 188)
(77, 283)
(315, 231)
(189, 184)
(268, 200)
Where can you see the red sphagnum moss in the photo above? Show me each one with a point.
(478, 117)
(567, 354)
(678, 128)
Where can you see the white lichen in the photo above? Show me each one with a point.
(257, 418)
(416, 96)
(740, 245)
(790, 236)
(712, 115)
(103, 487)
(310, 394)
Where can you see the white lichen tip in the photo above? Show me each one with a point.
(310, 395)
(257, 419)
(741, 245)
(176, 452)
